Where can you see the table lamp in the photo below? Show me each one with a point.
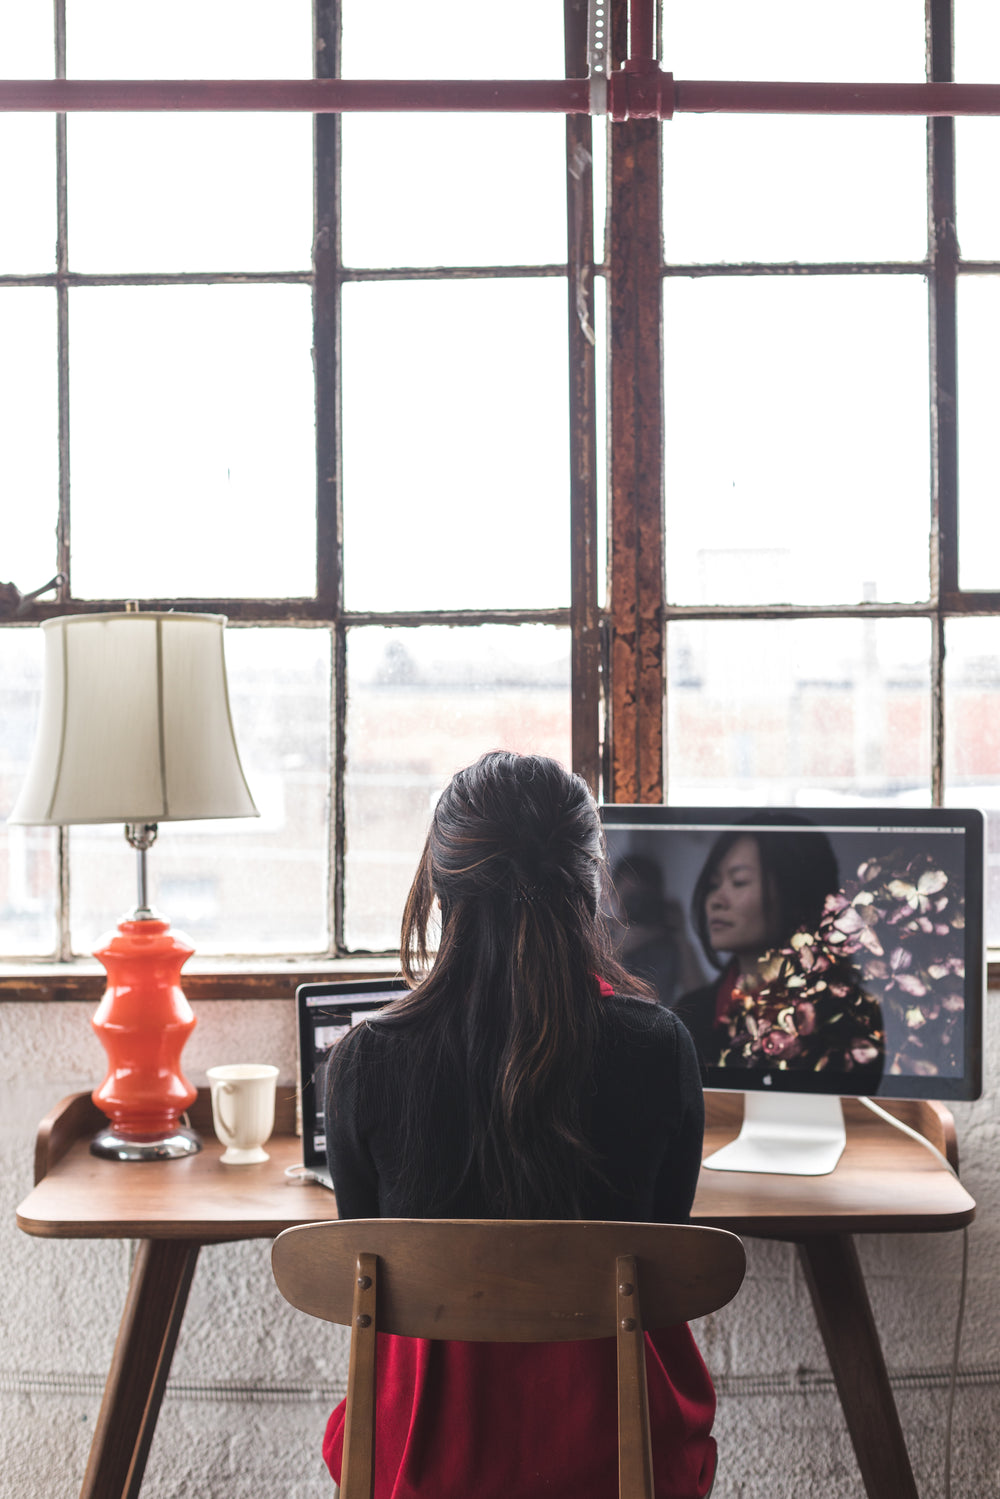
(135, 728)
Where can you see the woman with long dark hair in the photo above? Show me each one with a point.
(522, 1077)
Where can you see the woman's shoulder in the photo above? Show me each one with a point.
(647, 1063)
(364, 1052)
(629, 1015)
(369, 1040)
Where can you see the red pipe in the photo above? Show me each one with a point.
(632, 94)
(838, 98)
(640, 36)
(308, 95)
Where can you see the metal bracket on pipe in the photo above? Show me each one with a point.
(641, 91)
(597, 55)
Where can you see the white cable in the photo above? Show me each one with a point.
(954, 1364)
(302, 1173)
(953, 1376)
(914, 1134)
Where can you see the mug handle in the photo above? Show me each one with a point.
(219, 1091)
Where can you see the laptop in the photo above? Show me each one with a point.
(325, 1012)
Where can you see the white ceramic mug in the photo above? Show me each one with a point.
(243, 1110)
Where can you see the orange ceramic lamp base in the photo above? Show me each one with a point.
(142, 1022)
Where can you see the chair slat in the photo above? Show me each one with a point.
(635, 1451)
(358, 1476)
(506, 1292)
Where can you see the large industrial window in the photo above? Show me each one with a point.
(829, 287)
(343, 380)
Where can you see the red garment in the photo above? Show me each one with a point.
(729, 988)
(535, 1421)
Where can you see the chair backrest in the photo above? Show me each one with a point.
(539, 1281)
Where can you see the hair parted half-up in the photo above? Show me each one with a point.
(507, 1014)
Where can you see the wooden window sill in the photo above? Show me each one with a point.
(225, 978)
(222, 978)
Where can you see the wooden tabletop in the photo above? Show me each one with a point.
(884, 1183)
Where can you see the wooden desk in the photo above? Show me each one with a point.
(885, 1183)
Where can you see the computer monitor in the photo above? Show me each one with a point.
(812, 953)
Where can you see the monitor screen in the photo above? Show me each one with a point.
(828, 951)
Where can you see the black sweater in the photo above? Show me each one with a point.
(644, 1117)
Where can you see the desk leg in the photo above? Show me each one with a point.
(844, 1314)
(154, 1310)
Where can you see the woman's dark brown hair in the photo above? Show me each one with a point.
(507, 1015)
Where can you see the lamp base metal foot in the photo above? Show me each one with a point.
(112, 1146)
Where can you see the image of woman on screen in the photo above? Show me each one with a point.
(525, 1075)
(783, 998)
(653, 942)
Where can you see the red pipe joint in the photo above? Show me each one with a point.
(641, 91)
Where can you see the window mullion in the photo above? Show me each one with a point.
(937, 709)
(943, 254)
(64, 949)
(636, 619)
(586, 637)
(327, 282)
(326, 315)
(337, 814)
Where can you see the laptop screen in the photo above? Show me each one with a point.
(325, 1013)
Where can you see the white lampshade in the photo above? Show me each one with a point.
(135, 724)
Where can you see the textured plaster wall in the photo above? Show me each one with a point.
(252, 1381)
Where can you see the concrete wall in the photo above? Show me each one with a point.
(253, 1381)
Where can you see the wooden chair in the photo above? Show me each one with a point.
(505, 1281)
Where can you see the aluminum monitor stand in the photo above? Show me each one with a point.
(788, 1134)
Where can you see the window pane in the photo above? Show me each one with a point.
(599, 139)
(29, 437)
(450, 39)
(28, 193)
(192, 443)
(977, 213)
(190, 192)
(467, 190)
(763, 187)
(977, 40)
(796, 439)
(978, 435)
(798, 712)
(189, 39)
(243, 885)
(26, 41)
(466, 503)
(601, 423)
(866, 41)
(421, 704)
(972, 738)
(977, 141)
(28, 878)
